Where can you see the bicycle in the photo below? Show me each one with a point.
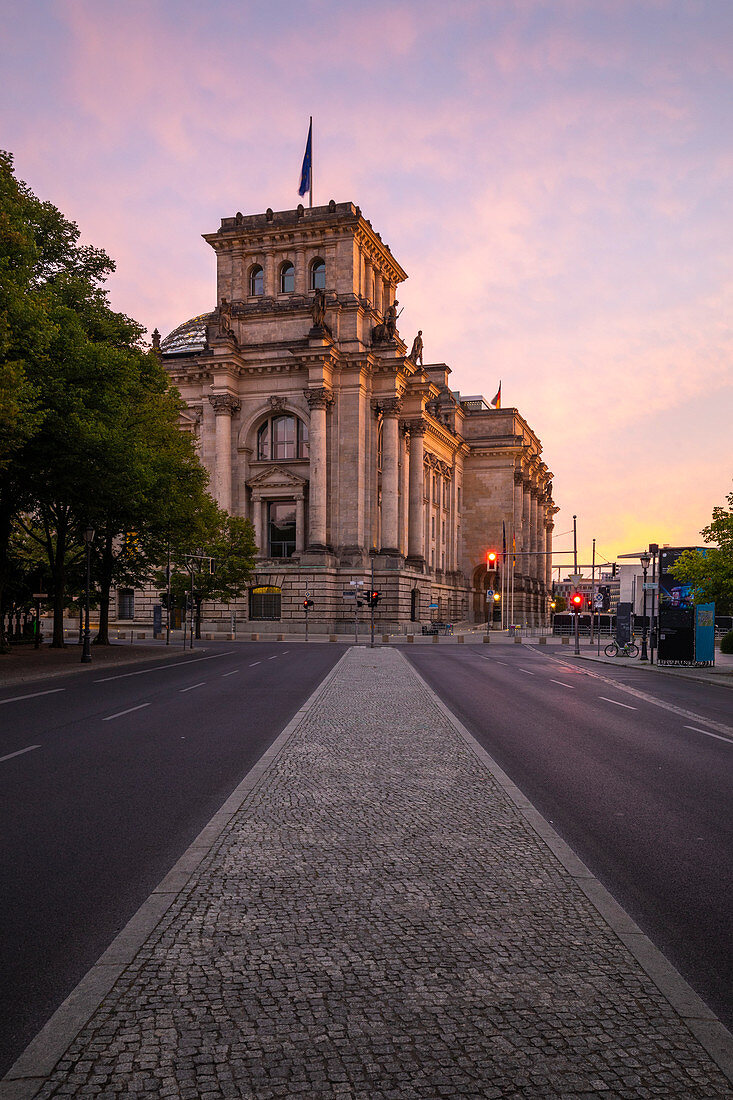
(626, 649)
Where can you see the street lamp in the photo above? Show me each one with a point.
(644, 559)
(86, 653)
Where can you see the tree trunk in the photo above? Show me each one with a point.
(199, 601)
(105, 584)
(57, 563)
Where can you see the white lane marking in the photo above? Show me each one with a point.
(273, 658)
(709, 734)
(128, 711)
(184, 690)
(157, 668)
(19, 752)
(232, 673)
(616, 703)
(255, 663)
(562, 685)
(663, 704)
(525, 671)
(499, 662)
(34, 695)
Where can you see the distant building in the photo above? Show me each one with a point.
(343, 449)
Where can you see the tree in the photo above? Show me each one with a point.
(229, 541)
(710, 571)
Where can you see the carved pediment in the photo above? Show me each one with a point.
(274, 477)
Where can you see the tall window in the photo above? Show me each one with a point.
(282, 437)
(281, 528)
(125, 603)
(256, 280)
(287, 278)
(264, 602)
(318, 275)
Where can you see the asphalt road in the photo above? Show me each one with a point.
(633, 769)
(105, 779)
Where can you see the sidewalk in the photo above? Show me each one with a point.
(377, 913)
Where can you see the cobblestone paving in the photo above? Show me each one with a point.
(378, 921)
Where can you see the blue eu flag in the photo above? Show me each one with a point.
(307, 169)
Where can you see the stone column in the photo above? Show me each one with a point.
(299, 524)
(301, 275)
(416, 519)
(367, 289)
(518, 502)
(318, 401)
(270, 275)
(525, 525)
(534, 541)
(549, 528)
(404, 488)
(390, 476)
(257, 523)
(224, 404)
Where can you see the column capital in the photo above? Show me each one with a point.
(417, 426)
(518, 477)
(224, 404)
(534, 492)
(387, 406)
(319, 398)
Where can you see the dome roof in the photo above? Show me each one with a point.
(189, 338)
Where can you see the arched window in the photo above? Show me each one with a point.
(282, 437)
(257, 280)
(318, 275)
(287, 278)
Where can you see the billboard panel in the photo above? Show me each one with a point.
(705, 634)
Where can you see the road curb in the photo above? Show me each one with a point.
(704, 1025)
(30, 1071)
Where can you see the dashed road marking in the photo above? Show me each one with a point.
(255, 663)
(191, 688)
(232, 673)
(525, 671)
(19, 752)
(33, 695)
(560, 682)
(616, 703)
(273, 658)
(157, 668)
(129, 710)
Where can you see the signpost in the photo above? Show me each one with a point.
(38, 596)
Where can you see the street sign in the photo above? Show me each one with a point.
(356, 584)
(598, 602)
(349, 595)
(432, 606)
(489, 594)
(651, 586)
(40, 595)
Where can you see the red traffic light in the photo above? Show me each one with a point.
(576, 601)
(373, 599)
(491, 559)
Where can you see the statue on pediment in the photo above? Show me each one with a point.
(415, 355)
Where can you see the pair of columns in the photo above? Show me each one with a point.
(390, 410)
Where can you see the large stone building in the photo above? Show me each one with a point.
(343, 449)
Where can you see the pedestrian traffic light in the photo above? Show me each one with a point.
(497, 597)
(576, 602)
(491, 559)
(373, 599)
(307, 604)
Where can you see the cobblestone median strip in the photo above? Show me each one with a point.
(382, 915)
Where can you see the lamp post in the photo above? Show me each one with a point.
(645, 559)
(86, 653)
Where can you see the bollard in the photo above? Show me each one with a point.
(518, 640)
(332, 638)
(565, 641)
(543, 640)
(460, 639)
(411, 637)
(281, 637)
(486, 638)
(385, 637)
(436, 639)
(255, 637)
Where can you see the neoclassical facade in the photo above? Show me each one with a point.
(344, 450)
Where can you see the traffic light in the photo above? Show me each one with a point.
(373, 599)
(491, 559)
(307, 604)
(576, 602)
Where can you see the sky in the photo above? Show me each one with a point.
(554, 176)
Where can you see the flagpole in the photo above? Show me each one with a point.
(311, 133)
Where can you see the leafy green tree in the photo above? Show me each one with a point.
(710, 572)
(229, 541)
